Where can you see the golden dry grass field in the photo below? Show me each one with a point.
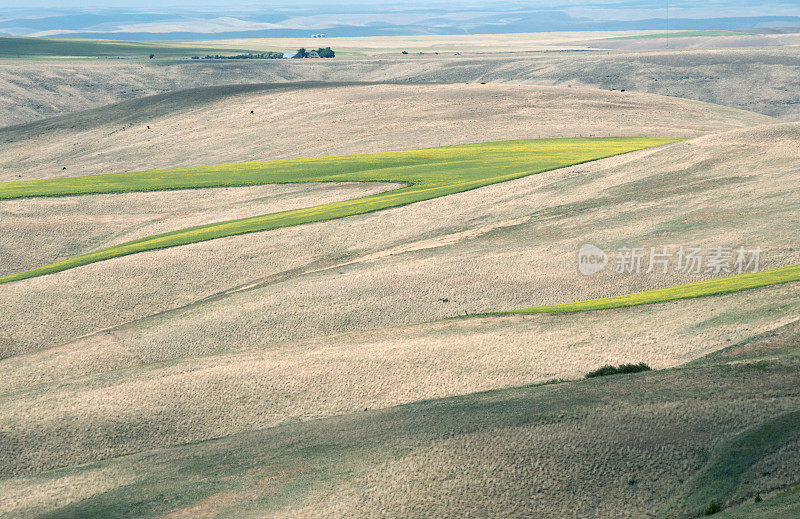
(335, 369)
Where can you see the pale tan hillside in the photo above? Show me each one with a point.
(509, 245)
(215, 126)
(622, 446)
(693, 42)
(514, 213)
(101, 397)
(519, 43)
(503, 246)
(758, 79)
(445, 44)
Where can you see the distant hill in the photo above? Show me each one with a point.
(383, 19)
(53, 47)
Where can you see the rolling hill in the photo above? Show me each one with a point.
(300, 304)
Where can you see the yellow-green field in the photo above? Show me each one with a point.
(429, 173)
(710, 287)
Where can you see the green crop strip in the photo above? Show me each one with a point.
(711, 287)
(428, 173)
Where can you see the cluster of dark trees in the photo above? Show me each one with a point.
(260, 55)
(325, 52)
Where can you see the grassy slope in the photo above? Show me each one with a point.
(62, 48)
(297, 465)
(784, 504)
(429, 173)
(725, 477)
(720, 479)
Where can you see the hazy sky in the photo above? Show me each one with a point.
(710, 6)
(243, 18)
(603, 9)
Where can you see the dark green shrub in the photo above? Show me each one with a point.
(622, 368)
(713, 508)
(326, 53)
